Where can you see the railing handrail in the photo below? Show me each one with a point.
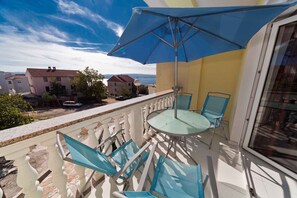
(24, 132)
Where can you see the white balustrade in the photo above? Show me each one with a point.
(127, 135)
(88, 126)
(146, 126)
(27, 176)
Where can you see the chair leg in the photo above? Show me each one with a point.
(214, 130)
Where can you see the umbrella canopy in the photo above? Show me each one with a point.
(156, 35)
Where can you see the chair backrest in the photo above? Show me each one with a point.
(214, 106)
(183, 101)
(88, 157)
(175, 179)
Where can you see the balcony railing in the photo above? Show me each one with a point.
(15, 143)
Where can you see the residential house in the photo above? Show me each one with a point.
(40, 80)
(3, 84)
(18, 83)
(120, 85)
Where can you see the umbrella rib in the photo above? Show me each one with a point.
(169, 22)
(135, 39)
(182, 43)
(150, 54)
(163, 40)
(215, 35)
(182, 40)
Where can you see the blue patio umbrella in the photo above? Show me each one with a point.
(156, 35)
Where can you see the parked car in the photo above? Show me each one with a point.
(71, 104)
(120, 98)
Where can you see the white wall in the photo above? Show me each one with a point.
(3, 84)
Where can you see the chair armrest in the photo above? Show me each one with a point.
(146, 168)
(138, 154)
(60, 147)
(109, 138)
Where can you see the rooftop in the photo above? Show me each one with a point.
(16, 76)
(51, 72)
(121, 78)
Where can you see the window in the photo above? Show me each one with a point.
(115, 90)
(58, 78)
(129, 84)
(71, 78)
(19, 81)
(9, 82)
(45, 79)
(274, 130)
(115, 84)
(47, 89)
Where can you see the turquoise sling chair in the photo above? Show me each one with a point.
(172, 179)
(214, 108)
(120, 165)
(183, 101)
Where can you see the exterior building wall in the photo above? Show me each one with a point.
(117, 88)
(38, 85)
(4, 87)
(218, 73)
(20, 85)
(29, 77)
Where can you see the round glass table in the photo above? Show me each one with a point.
(187, 123)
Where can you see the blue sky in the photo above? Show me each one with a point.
(66, 34)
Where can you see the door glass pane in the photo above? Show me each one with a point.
(275, 129)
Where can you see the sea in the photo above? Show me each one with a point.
(145, 79)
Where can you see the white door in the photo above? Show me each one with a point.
(272, 130)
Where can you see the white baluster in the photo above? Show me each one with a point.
(26, 176)
(1, 193)
(127, 135)
(106, 134)
(151, 131)
(93, 142)
(156, 105)
(56, 165)
(159, 105)
(137, 125)
(146, 126)
(117, 127)
(163, 103)
(151, 107)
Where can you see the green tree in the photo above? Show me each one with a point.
(143, 89)
(12, 110)
(57, 89)
(126, 93)
(89, 82)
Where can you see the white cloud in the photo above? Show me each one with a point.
(72, 8)
(19, 52)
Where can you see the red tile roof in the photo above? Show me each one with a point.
(120, 78)
(52, 73)
(16, 76)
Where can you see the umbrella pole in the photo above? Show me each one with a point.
(175, 81)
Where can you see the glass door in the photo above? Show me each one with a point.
(272, 131)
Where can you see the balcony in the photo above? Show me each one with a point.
(237, 173)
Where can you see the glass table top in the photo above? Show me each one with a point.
(186, 123)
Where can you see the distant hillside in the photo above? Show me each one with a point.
(145, 79)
